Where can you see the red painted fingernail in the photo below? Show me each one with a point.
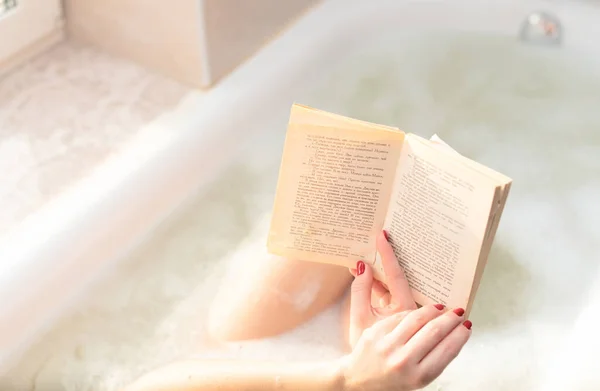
(385, 233)
(439, 306)
(468, 324)
(360, 268)
(459, 311)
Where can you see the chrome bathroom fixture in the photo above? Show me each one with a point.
(541, 28)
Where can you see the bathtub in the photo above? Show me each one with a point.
(115, 275)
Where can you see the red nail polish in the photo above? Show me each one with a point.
(360, 268)
(387, 237)
(439, 306)
(468, 324)
(459, 311)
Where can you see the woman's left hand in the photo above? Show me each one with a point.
(395, 297)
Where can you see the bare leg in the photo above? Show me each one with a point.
(268, 295)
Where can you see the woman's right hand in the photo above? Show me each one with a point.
(398, 347)
(407, 350)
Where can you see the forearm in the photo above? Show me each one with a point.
(200, 375)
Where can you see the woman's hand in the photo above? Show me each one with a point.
(393, 298)
(407, 350)
(396, 346)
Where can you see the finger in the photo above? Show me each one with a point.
(379, 290)
(378, 287)
(433, 333)
(396, 280)
(389, 323)
(360, 295)
(381, 294)
(384, 301)
(438, 359)
(412, 323)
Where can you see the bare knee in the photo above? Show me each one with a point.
(284, 295)
(222, 329)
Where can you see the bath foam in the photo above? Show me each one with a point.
(527, 112)
(484, 95)
(75, 365)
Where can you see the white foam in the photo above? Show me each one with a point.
(528, 113)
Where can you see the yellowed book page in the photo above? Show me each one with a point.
(495, 213)
(437, 220)
(489, 240)
(332, 194)
(438, 142)
(301, 114)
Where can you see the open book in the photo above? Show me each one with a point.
(343, 180)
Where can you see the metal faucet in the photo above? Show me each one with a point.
(541, 28)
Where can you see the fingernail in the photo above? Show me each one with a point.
(459, 311)
(468, 324)
(387, 237)
(439, 306)
(360, 268)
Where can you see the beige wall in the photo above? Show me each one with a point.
(162, 35)
(32, 27)
(194, 41)
(235, 29)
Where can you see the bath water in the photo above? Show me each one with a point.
(529, 112)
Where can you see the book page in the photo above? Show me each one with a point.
(437, 220)
(305, 115)
(435, 140)
(333, 190)
(504, 184)
(496, 213)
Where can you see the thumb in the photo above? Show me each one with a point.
(360, 294)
